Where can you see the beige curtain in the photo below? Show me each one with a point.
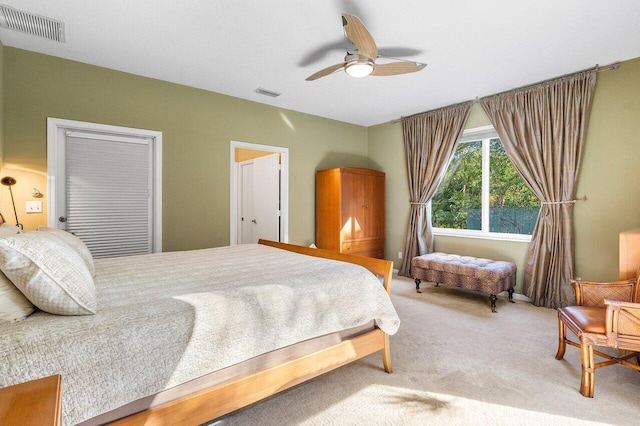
(429, 141)
(542, 128)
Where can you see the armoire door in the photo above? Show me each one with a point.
(363, 204)
(353, 202)
(374, 206)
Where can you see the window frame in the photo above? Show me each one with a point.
(485, 134)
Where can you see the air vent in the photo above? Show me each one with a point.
(29, 23)
(267, 92)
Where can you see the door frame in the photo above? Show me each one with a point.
(233, 192)
(56, 129)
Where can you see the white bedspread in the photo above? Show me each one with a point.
(167, 318)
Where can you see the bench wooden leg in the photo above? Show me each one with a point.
(417, 281)
(493, 299)
(511, 295)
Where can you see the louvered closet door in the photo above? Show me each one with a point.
(108, 193)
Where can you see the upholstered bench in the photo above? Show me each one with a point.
(485, 275)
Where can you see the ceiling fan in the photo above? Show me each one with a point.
(362, 62)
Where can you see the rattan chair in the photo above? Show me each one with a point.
(605, 315)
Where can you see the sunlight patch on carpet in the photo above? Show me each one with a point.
(400, 406)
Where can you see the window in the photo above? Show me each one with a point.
(482, 194)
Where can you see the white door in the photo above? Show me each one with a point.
(104, 186)
(259, 199)
(266, 197)
(247, 216)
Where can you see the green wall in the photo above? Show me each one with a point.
(608, 178)
(197, 128)
(198, 125)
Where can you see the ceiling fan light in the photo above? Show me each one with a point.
(359, 69)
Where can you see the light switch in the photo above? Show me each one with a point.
(34, 206)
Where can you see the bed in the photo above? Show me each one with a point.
(186, 337)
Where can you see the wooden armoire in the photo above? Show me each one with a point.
(350, 211)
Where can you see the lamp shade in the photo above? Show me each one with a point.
(9, 181)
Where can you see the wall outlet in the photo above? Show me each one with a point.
(399, 255)
(34, 207)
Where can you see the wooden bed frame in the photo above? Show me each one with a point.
(229, 396)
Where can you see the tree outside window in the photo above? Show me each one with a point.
(482, 193)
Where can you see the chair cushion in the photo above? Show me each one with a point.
(589, 319)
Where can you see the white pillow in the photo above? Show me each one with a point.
(13, 305)
(75, 243)
(51, 274)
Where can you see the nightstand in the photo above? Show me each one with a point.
(38, 402)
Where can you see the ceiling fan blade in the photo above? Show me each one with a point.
(396, 68)
(359, 36)
(326, 71)
(392, 58)
(319, 53)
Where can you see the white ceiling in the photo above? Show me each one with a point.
(473, 48)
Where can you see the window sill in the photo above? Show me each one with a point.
(458, 233)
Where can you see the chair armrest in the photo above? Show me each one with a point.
(617, 304)
(590, 293)
(622, 324)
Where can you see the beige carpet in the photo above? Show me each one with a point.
(456, 363)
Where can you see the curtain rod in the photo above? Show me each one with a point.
(611, 67)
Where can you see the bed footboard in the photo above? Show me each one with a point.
(379, 267)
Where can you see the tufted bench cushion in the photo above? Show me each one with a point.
(485, 275)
